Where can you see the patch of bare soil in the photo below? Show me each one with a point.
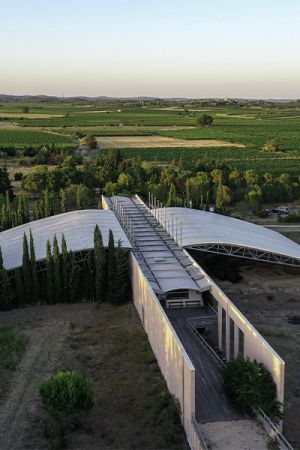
(109, 345)
(269, 296)
(158, 141)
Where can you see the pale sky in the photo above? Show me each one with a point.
(166, 48)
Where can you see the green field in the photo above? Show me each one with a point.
(20, 138)
(251, 125)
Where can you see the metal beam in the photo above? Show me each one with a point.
(246, 253)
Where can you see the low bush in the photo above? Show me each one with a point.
(65, 394)
(250, 385)
(12, 345)
(18, 176)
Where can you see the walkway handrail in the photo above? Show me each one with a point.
(272, 429)
(204, 343)
(199, 433)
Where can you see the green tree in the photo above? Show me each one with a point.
(5, 185)
(251, 385)
(5, 287)
(50, 273)
(89, 141)
(89, 276)
(172, 196)
(48, 206)
(223, 196)
(204, 120)
(56, 270)
(121, 276)
(63, 201)
(8, 211)
(35, 286)
(271, 146)
(26, 270)
(19, 287)
(65, 265)
(99, 265)
(111, 269)
(73, 278)
(25, 109)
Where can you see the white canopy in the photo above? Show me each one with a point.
(201, 227)
(77, 227)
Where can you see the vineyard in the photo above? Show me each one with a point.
(248, 125)
(20, 138)
(239, 158)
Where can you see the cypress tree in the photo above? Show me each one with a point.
(26, 270)
(8, 212)
(36, 211)
(48, 207)
(172, 197)
(17, 220)
(50, 274)
(89, 276)
(5, 288)
(111, 269)
(19, 287)
(65, 269)
(63, 202)
(73, 278)
(121, 276)
(100, 265)
(56, 270)
(24, 209)
(35, 286)
(3, 218)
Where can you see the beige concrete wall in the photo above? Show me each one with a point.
(255, 346)
(173, 361)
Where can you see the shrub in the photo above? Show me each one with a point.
(251, 385)
(65, 394)
(12, 345)
(204, 120)
(18, 176)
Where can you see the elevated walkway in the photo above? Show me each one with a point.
(171, 273)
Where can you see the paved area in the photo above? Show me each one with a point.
(236, 435)
(212, 402)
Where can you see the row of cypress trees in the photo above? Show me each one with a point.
(18, 216)
(103, 276)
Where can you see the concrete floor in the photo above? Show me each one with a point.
(212, 402)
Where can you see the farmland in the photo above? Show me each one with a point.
(247, 125)
(20, 138)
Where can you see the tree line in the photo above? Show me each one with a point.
(102, 276)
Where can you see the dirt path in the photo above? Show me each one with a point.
(19, 406)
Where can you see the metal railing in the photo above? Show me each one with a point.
(272, 429)
(199, 433)
(204, 343)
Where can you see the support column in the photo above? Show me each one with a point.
(227, 349)
(236, 340)
(220, 326)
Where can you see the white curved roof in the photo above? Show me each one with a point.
(77, 227)
(201, 227)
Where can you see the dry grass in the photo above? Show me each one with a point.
(133, 408)
(158, 142)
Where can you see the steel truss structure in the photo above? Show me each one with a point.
(246, 253)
